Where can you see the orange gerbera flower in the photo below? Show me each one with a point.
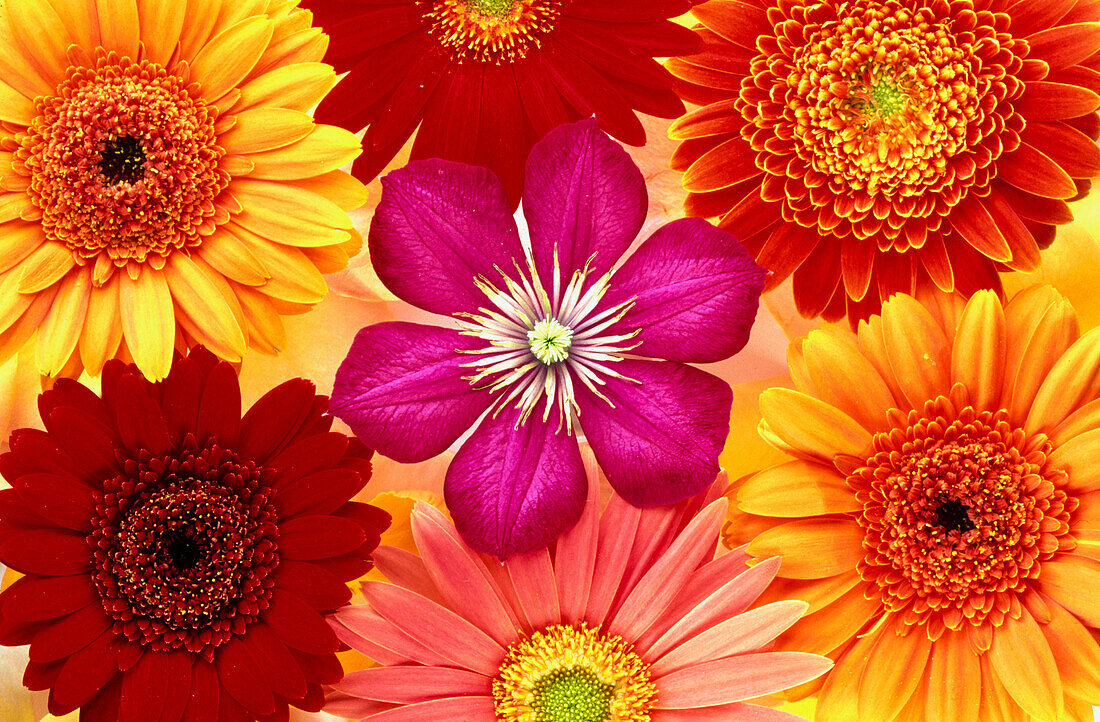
(161, 184)
(869, 146)
(942, 512)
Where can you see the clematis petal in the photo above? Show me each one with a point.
(512, 490)
(583, 196)
(438, 227)
(659, 438)
(401, 389)
(696, 291)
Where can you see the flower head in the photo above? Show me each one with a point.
(480, 81)
(161, 184)
(629, 618)
(941, 509)
(870, 147)
(178, 558)
(550, 337)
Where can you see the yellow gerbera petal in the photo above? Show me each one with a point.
(917, 350)
(61, 329)
(148, 321)
(198, 299)
(47, 265)
(230, 257)
(325, 149)
(978, 355)
(894, 670)
(266, 128)
(812, 426)
(1074, 379)
(229, 56)
(14, 106)
(953, 659)
(293, 277)
(1072, 581)
(167, 17)
(1022, 660)
(118, 26)
(797, 488)
(832, 359)
(17, 241)
(42, 33)
(811, 548)
(102, 332)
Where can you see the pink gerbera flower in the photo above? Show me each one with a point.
(630, 617)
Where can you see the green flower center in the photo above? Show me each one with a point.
(887, 98)
(572, 695)
(550, 341)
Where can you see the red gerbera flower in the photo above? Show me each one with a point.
(485, 79)
(179, 558)
(871, 146)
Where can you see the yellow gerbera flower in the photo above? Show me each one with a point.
(941, 513)
(161, 183)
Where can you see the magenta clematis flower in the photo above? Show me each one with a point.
(550, 339)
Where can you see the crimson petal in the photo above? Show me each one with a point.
(86, 672)
(316, 586)
(51, 552)
(276, 661)
(202, 706)
(299, 625)
(31, 599)
(242, 677)
(318, 536)
(61, 498)
(68, 635)
(320, 493)
(140, 422)
(272, 422)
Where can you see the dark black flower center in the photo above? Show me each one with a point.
(953, 515)
(181, 548)
(122, 160)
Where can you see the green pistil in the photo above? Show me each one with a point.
(572, 695)
(491, 8)
(550, 341)
(888, 98)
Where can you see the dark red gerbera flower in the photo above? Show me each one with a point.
(870, 146)
(485, 79)
(179, 558)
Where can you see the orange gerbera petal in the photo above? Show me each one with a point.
(972, 521)
(137, 134)
(914, 141)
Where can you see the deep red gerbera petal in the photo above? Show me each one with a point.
(161, 560)
(433, 67)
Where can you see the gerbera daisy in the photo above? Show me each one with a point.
(546, 334)
(872, 146)
(178, 558)
(942, 511)
(483, 80)
(160, 182)
(629, 618)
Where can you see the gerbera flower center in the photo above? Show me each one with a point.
(550, 341)
(123, 160)
(573, 674)
(527, 360)
(958, 511)
(185, 546)
(491, 31)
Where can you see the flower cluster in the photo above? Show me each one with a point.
(604, 486)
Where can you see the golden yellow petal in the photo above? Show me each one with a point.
(60, 331)
(326, 149)
(47, 265)
(978, 355)
(298, 87)
(869, 338)
(796, 489)
(917, 349)
(13, 205)
(229, 256)
(201, 19)
(1072, 581)
(82, 19)
(818, 593)
(24, 326)
(327, 259)
(118, 26)
(281, 206)
(997, 705)
(839, 698)
(17, 241)
(1083, 419)
(796, 365)
(16, 66)
(894, 671)
(955, 679)
(1088, 511)
(812, 548)
(102, 327)
(278, 226)
(43, 35)
(229, 56)
(341, 188)
(1037, 337)
(1073, 381)
(812, 426)
(265, 328)
(12, 302)
(304, 46)
(293, 277)
(833, 360)
(148, 321)
(265, 129)
(202, 303)
(166, 19)
(14, 106)
(1021, 658)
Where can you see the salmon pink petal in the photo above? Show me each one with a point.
(532, 576)
(736, 712)
(583, 196)
(409, 685)
(735, 679)
(511, 490)
(438, 227)
(696, 291)
(575, 558)
(465, 584)
(362, 628)
(659, 438)
(619, 527)
(448, 708)
(401, 389)
(405, 569)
